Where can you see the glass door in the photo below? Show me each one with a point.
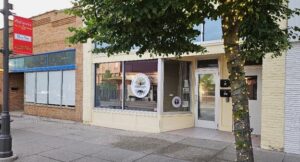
(207, 98)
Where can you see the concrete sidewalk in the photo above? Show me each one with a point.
(45, 140)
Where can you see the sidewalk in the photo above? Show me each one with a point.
(46, 140)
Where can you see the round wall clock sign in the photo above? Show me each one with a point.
(140, 85)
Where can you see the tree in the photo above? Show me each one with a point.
(166, 27)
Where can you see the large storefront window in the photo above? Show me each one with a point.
(108, 92)
(139, 82)
(177, 86)
(141, 85)
(51, 88)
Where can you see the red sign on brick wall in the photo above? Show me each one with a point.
(22, 39)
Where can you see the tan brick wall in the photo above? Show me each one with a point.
(273, 87)
(50, 33)
(51, 112)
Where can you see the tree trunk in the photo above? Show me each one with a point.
(235, 65)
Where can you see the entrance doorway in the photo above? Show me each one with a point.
(254, 85)
(207, 98)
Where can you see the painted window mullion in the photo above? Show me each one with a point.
(123, 85)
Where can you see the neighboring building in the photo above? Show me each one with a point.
(292, 91)
(162, 94)
(49, 83)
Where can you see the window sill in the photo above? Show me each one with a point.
(120, 111)
(50, 106)
(188, 113)
(212, 43)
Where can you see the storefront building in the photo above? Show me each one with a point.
(153, 94)
(49, 82)
(162, 94)
(156, 94)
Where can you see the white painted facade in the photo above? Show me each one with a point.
(292, 91)
(292, 100)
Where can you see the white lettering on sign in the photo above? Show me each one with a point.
(23, 37)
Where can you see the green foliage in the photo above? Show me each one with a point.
(159, 27)
(164, 27)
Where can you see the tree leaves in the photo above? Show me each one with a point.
(164, 27)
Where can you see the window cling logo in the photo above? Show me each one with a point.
(140, 85)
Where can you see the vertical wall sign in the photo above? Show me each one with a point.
(23, 37)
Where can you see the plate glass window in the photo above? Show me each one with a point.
(108, 88)
(141, 85)
(177, 86)
(55, 82)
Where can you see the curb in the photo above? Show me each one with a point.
(9, 159)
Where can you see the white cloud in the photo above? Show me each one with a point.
(28, 8)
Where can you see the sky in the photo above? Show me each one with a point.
(28, 8)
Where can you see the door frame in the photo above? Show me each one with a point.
(256, 70)
(203, 123)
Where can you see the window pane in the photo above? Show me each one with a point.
(176, 86)
(212, 30)
(251, 82)
(61, 58)
(55, 79)
(198, 39)
(141, 85)
(41, 87)
(206, 101)
(68, 89)
(207, 63)
(35, 61)
(108, 86)
(30, 87)
(16, 63)
(101, 45)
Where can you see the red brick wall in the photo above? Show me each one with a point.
(16, 93)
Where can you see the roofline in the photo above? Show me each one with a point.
(44, 13)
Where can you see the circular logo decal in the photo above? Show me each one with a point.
(176, 102)
(140, 85)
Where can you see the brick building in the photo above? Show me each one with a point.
(49, 83)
